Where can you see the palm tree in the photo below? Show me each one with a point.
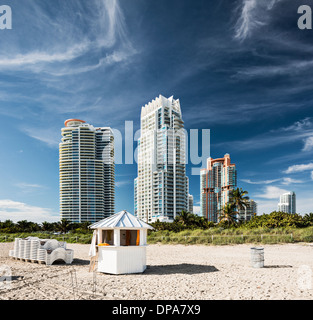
(64, 225)
(24, 226)
(228, 214)
(185, 218)
(308, 218)
(47, 226)
(239, 199)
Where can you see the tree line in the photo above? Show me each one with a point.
(62, 226)
(227, 218)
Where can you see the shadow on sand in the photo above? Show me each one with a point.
(184, 268)
(80, 262)
(277, 266)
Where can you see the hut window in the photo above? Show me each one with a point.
(107, 237)
(130, 238)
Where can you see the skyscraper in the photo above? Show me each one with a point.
(86, 164)
(287, 202)
(161, 188)
(216, 183)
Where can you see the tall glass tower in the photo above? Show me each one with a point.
(216, 183)
(287, 202)
(86, 164)
(161, 188)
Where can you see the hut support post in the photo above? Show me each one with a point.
(117, 240)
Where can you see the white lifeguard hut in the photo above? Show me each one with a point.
(119, 242)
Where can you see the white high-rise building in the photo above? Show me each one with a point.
(287, 202)
(161, 188)
(86, 164)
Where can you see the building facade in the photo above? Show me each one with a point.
(287, 202)
(190, 203)
(248, 212)
(86, 167)
(161, 187)
(216, 183)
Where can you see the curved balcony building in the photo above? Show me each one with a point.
(86, 166)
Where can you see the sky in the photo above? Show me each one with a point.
(242, 69)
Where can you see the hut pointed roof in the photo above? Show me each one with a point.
(122, 219)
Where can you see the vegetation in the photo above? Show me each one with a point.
(62, 227)
(227, 215)
(239, 199)
(275, 227)
(220, 236)
(187, 228)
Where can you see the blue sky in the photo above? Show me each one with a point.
(240, 68)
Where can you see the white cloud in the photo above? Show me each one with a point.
(295, 132)
(253, 15)
(122, 183)
(299, 168)
(304, 205)
(23, 185)
(284, 181)
(259, 182)
(29, 187)
(247, 20)
(266, 206)
(271, 192)
(308, 144)
(196, 210)
(102, 28)
(38, 57)
(287, 181)
(48, 136)
(17, 211)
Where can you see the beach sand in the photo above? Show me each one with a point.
(174, 272)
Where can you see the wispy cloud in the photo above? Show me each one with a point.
(287, 181)
(299, 168)
(283, 181)
(308, 144)
(66, 74)
(17, 211)
(49, 136)
(37, 57)
(253, 14)
(29, 187)
(101, 29)
(260, 182)
(298, 131)
(271, 192)
(287, 68)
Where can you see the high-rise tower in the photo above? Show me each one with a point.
(161, 188)
(287, 202)
(86, 164)
(216, 183)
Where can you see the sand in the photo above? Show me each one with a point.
(174, 272)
